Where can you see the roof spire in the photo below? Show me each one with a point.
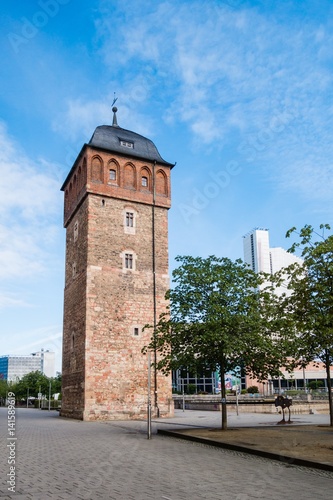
(114, 121)
(114, 109)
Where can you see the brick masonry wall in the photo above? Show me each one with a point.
(83, 179)
(74, 331)
(106, 306)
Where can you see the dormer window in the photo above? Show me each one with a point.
(127, 144)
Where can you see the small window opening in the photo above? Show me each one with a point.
(103, 203)
(128, 261)
(144, 181)
(127, 144)
(76, 230)
(129, 219)
(136, 331)
(112, 175)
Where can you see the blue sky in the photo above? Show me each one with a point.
(238, 93)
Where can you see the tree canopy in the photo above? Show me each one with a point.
(311, 301)
(33, 382)
(219, 319)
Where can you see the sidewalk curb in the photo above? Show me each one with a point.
(265, 454)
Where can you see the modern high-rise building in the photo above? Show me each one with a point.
(257, 251)
(14, 367)
(117, 197)
(261, 258)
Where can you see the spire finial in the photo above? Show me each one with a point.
(114, 109)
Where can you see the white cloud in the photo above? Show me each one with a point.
(226, 73)
(25, 190)
(30, 204)
(8, 299)
(232, 64)
(81, 117)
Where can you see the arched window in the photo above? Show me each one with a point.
(145, 179)
(161, 183)
(113, 172)
(96, 169)
(129, 176)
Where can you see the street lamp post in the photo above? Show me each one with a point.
(50, 396)
(149, 400)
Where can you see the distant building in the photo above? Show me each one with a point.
(262, 258)
(256, 250)
(14, 367)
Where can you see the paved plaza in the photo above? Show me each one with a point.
(62, 459)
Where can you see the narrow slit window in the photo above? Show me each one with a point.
(136, 331)
(76, 231)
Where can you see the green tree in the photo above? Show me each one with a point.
(218, 320)
(3, 389)
(311, 302)
(35, 382)
(56, 383)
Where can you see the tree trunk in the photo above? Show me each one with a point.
(223, 397)
(329, 385)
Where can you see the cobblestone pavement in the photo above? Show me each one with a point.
(65, 459)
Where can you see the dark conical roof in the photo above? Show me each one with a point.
(119, 140)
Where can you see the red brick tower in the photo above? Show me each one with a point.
(117, 197)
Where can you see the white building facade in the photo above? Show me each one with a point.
(261, 258)
(14, 367)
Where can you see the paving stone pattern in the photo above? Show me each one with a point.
(64, 459)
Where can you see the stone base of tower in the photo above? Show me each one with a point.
(108, 414)
(105, 413)
(116, 403)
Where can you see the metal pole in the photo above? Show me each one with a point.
(39, 396)
(183, 396)
(28, 397)
(154, 289)
(50, 396)
(149, 400)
